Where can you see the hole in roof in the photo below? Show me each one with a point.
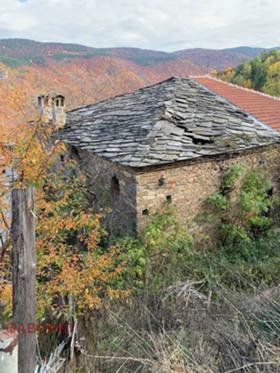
(202, 141)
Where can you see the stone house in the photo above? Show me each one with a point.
(170, 142)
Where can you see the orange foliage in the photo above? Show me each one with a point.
(74, 272)
(81, 81)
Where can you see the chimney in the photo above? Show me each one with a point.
(52, 109)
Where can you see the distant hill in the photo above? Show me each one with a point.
(262, 73)
(250, 52)
(18, 52)
(213, 58)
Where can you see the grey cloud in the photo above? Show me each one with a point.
(155, 24)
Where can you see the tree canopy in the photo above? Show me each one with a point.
(262, 73)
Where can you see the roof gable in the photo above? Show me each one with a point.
(175, 120)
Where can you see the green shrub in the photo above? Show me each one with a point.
(231, 176)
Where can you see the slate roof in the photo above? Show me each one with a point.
(262, 106)
(175, 120)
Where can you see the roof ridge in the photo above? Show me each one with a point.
(173, 77)
(251, 90)
(166, 105)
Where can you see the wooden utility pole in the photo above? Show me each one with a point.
(24, 276)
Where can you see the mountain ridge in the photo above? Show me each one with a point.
(16, 52)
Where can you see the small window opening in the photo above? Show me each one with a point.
(3, 171)
(115, 186)
(161, 181)
(75, 152)
(270, 193)
(168, 199)
(57, 102)
(62, 158)
(145, 212)
(62, 102)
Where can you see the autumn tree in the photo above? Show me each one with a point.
(75, 272)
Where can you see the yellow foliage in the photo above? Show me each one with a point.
(72, 268)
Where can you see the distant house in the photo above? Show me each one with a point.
(4, 74)
(170, 142)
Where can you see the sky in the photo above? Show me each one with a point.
(152, 24)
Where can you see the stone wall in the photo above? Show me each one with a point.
(130, 196)
(114, 190)
(187, 186)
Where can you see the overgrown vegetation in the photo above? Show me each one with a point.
(216, 310)
(262, 73)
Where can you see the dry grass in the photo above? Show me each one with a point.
(187, 332)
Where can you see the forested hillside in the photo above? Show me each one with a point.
(262, 73)
(18, 52)
(82, 81)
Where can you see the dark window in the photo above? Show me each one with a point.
(161, 181)
(57, 102)
(270, 193)
(115, 186)
(145, 212)
(169, 199)
(62, 158)
(75, 152)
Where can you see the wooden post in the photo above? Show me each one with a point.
(24, 276)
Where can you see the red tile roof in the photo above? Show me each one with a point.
(263, 107)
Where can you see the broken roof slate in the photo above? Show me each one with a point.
(172, 121)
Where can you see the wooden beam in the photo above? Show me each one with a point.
(24, 275)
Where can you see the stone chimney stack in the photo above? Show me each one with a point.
(52, 109)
